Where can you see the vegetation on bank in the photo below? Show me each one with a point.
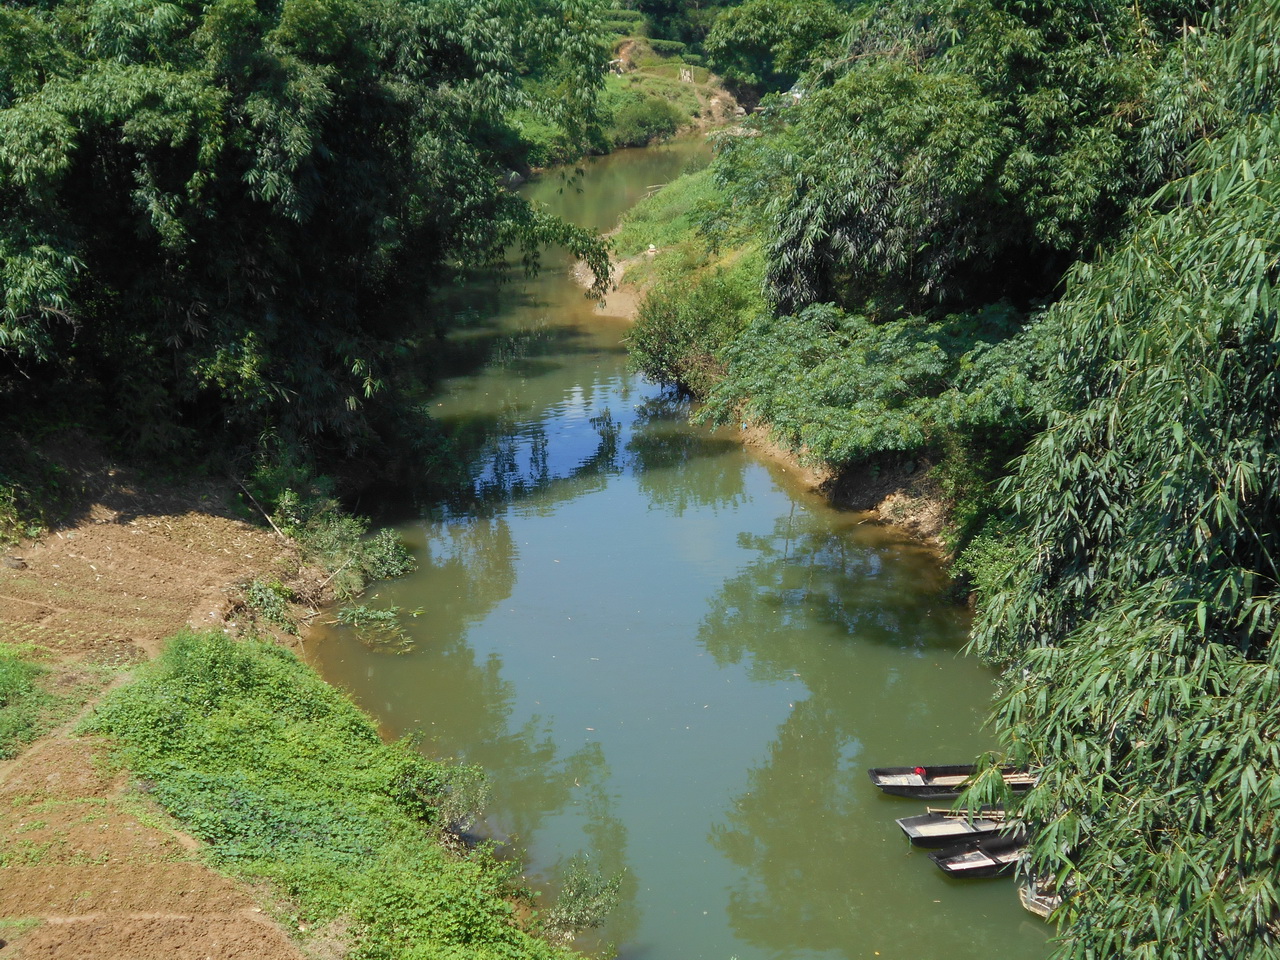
(653, 90)
(1035, 244)
(970, 233)
(288, 782)
(215, 216)
(22, 701)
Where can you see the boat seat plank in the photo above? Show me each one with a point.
(941, 829)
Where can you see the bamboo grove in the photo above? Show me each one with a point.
(1036, 245)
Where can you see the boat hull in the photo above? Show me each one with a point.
(940, 783)
(946, 829)
(1034, 895)
(992, 857)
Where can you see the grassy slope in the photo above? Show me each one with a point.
(286, 780)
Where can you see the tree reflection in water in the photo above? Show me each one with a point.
(464, 706)
(662, 447)
(814, 596)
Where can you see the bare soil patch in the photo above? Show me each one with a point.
(97, 866)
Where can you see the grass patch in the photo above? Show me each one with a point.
(666, 217)
(22, 701)
(377, 627)
(14, 927)
(287, 780)
(34, 698)
(661, 82)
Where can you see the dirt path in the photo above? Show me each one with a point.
(89, 867)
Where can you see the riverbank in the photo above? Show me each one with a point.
(90, 867)
(901, 493)
(125, 606)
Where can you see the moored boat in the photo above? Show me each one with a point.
(1039, 895)
(992, 857)
(941, 783)
(943, 828)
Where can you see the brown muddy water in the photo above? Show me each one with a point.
(668, 656)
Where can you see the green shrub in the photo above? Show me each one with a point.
(33, 490)
(667, 48)
(639, 120)
(683, 325)
(339, 542)
(586, 897)
(270, 599)
(287, 781)
(986, 561)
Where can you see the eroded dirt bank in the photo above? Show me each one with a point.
(896, 492)
(89, 866)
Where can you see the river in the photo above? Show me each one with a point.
(668, 655)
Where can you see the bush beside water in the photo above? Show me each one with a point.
(287, 780)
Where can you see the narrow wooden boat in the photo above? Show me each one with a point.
(941, 783)
(945, 828)
(992, 857)
(1039, 895)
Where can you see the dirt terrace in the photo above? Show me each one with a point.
(89, 867)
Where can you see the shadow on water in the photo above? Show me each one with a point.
(817, 579)
(479, 346)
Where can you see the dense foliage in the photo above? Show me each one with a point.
(205, 208)
(1140, 612)
(845, 389)
(953, 152)
(681, 20)
(286, 780)
(767, 44)
(919, 196)
(1002, 226)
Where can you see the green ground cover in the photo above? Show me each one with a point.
(22, 701)
(35, 698)
(288, 781)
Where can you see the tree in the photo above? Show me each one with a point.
(205, 208)
(953, 152)
(1139, 617)
(767, 44)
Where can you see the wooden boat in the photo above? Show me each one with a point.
(946, 828)
(941, 783)
(992, 857)
(1039, 895)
